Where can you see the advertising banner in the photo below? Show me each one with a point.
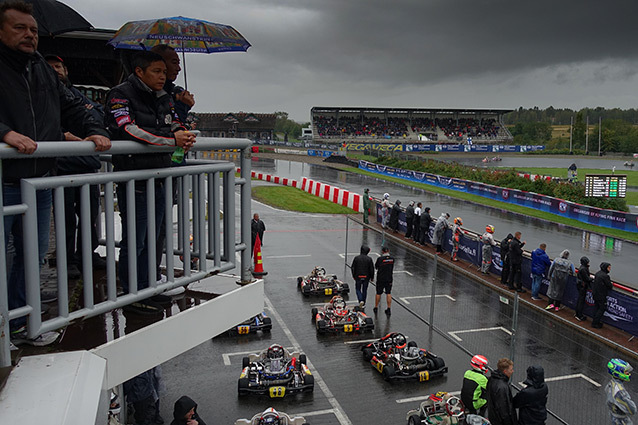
(314, 152)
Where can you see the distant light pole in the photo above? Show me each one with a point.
(599, 133)
(571, 131)
(587, 137)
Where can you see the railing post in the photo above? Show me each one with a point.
(5, 343)
(31, 260)
(246, 213)
(433, 292)
(514, 327)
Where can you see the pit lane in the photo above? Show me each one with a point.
(347, 389)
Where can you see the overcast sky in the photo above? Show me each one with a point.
(404, 53)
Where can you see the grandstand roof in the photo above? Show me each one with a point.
(243, 121)
(359, 109)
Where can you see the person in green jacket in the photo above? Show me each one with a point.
(474, 390)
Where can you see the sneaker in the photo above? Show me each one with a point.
(175, 291)
(537, 299)
(549, 307)
(559, 308)
(73, 272)
(375, 310)
(146, 307)
(388, 312)
(43, 340)
(580, 319)
(48, 296)
(362, 304)
(162, 279)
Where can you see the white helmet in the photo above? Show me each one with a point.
(386, 195)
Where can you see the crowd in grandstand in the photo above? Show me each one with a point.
(357, 126)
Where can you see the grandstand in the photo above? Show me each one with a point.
(484, 126)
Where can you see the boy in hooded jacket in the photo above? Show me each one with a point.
(185, 412)
(531, 401)
(583, 283)
(600, 288)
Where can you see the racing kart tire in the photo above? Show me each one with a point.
(412, 344)
(245, 361)
(414, 420)
(368, 353)
(438, 363)
(303, 359)
(306, 290)
(309, 380)
(314, 312)
(369, 322)
(388, 372)
(242, 386)
(267, 324)
(321, 326)
(299, 280)
(345, 288)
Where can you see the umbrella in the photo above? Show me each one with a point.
(55, 18)
(183, 34)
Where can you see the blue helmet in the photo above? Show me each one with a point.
(619, 369)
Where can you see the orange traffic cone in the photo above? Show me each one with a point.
(258, 269)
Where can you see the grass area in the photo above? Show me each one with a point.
(503, 205)
(292, 199)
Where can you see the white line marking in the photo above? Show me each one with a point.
(315, 413)
(405, 299)
(422, 397)
(574, 376)
(338, 411)
(404, 271)
(226, 356)
(478, 330)
(361, 341)
(354, 254)
(288, 256)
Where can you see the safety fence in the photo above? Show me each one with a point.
(199, 189)
(583, 213)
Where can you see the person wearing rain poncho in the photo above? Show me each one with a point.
(439, 231)
(559, 272)
(385, 210)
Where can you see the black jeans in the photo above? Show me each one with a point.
(515, 276)
(580, 303)
(601, 306)
(73, 224)
(505, 274)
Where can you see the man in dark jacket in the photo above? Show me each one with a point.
(409, 218)
(139, 109)
(385, 268)
(500, 407)
(505, 259)
(600, 288)
(362, 272)
(424, 230)
(257, 228)
(540, 265)
(583, 283)
(185, 412)
(35, 107)
(516, 260)
(531, 401)
(394, 216)
(474, 389)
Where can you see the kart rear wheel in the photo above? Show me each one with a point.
(306, 290)
(321, 326)
(242, 386)
(314, 312)
(245, 362)
(414, 420)
(303, 359)
(438, 362)
(388, 372)
(345, 288)
(368, 353)
(267, 324)
(369, 322)
(309, 380)
(299, 280)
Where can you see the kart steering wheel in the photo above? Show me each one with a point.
(454, 407)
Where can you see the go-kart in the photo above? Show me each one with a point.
(275, 372)
(398, 359)
(440, 409)
(335, 316)
(272, 417)
(319, 283)
(261, 322)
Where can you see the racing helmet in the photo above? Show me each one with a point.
(619, 369)
(275, 352)
(458, 221)
(386, 195)
(339, 306)
(399, 340)
(270, 417)
(479, 363)
(489, 228)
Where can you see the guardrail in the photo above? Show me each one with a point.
(203, 188)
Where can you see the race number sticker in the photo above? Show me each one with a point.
(276, 392)
(243, 330)
(424, 376)
(347, 328)
(328, 291)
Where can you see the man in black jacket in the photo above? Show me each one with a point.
(500, 407)
(409, 218)
(600, 288)
(505, 259)
(424, 228)
(139, 109)
(385, 268)
(531, 401)
(583, 283)
(35, 106)
(516, 260)
(362, 272)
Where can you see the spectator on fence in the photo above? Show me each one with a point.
(619, 402)
(457, 230)
(424, 227)
(385, 210)
(439, 232)
(559, 273)
(583, 283)
(505, 259)
(531, 401)
(474, 389)
(500, 406)
(409, 219)
(362, 269)
(488, 245)
(366, 205)
(516, 261)
(418, 213)
(540, 266)
(394, 216)
(600, 288)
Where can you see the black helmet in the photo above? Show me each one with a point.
(584, 261)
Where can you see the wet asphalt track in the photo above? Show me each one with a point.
(347, 389)
(598, 248)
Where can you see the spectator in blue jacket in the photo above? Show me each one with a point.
(540, 265)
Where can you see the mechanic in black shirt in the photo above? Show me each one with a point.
(385, 267)
(362, 272)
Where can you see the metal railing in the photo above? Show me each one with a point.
(203, 190)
